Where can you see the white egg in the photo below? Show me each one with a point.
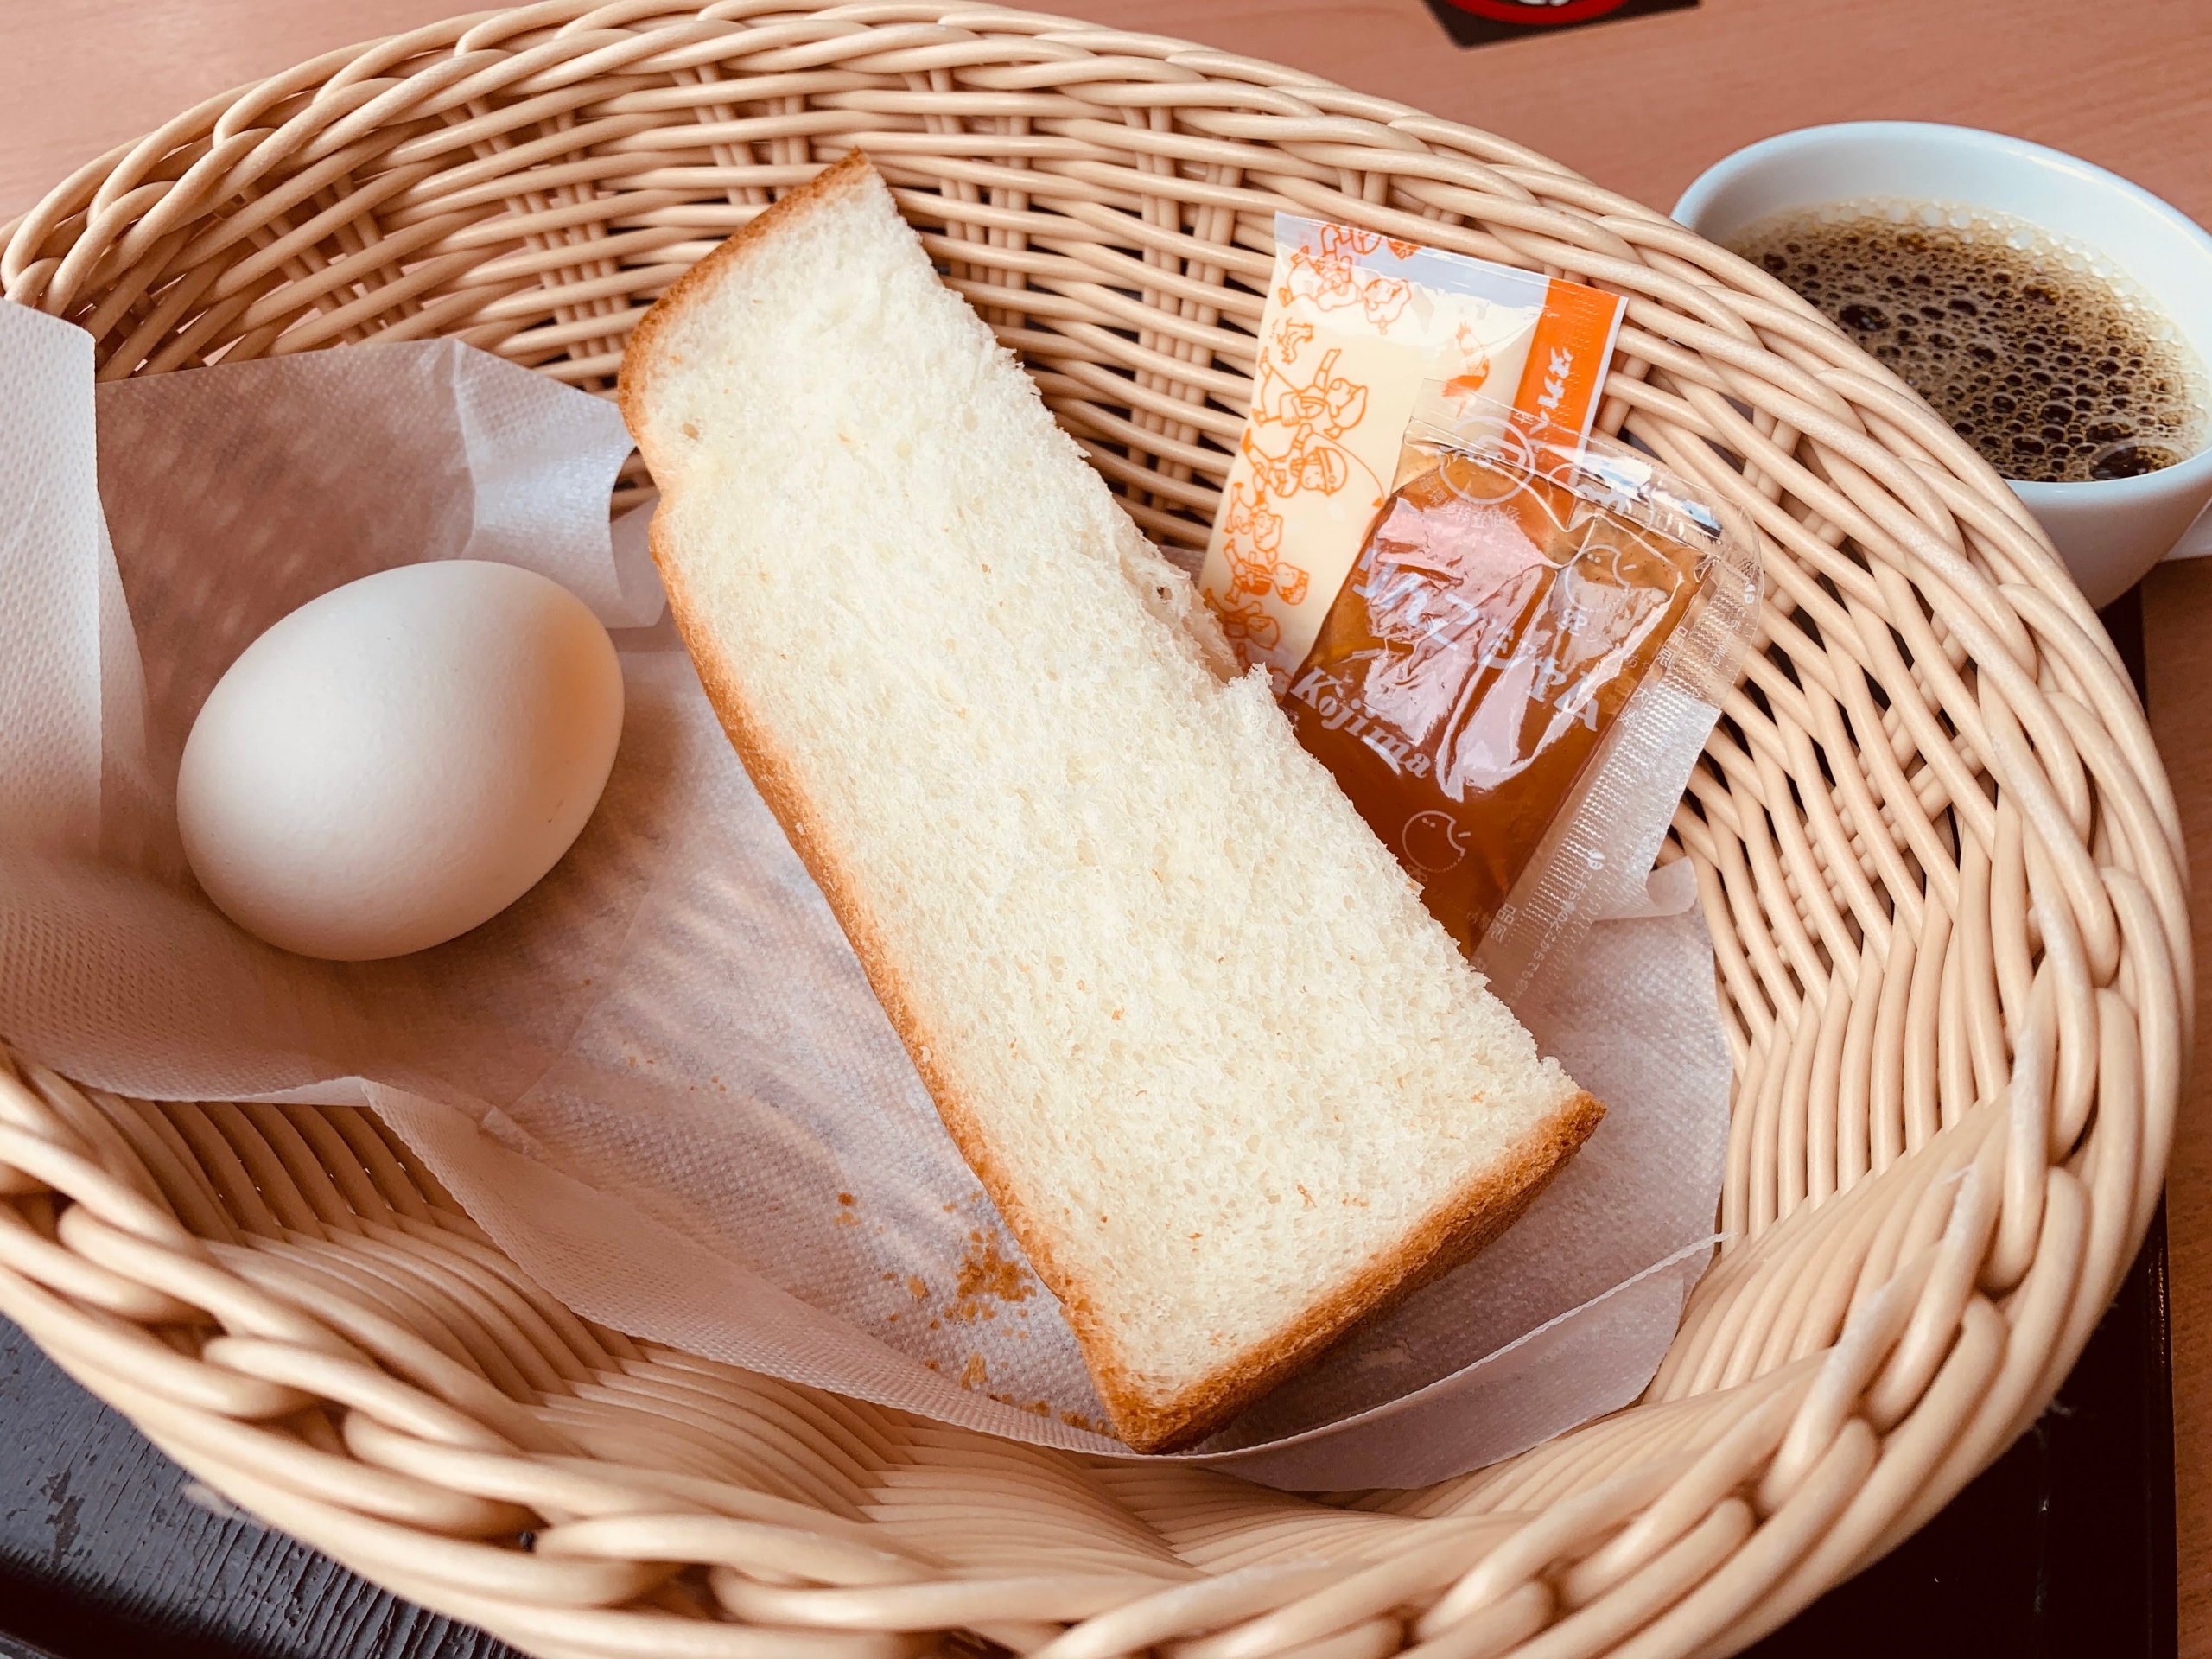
(401, 759)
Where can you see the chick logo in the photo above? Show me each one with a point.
(1434, 841)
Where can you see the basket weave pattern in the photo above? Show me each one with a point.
(1932, 838)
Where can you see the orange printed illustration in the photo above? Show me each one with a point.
(1295, 436)
(1251, 633)
(1294, 443)
(1354, 324)
(1252, 538)
(1474, 362)
(1347, 241)
(1330, 279)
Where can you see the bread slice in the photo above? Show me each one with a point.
(1229, 1083)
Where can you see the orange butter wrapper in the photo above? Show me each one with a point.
(1355, 325)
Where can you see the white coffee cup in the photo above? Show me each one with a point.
(2111, 532)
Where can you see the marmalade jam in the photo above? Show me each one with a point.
(1492, 630)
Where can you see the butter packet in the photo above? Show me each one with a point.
(1355, 325)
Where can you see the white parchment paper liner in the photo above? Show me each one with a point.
(660, 1081)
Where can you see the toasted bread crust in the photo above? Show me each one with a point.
(1452, 1234)
(1448, 1237)
(644, 354)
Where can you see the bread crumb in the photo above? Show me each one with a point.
(846, 1199)
(974, 1374)
(917, 1287)
(987, 1275)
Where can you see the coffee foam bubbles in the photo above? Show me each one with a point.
(2047, 359)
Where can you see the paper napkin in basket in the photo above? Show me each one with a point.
(660, 1081)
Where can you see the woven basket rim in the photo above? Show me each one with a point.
(289, 1305)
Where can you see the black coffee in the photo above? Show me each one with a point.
(2051, 371)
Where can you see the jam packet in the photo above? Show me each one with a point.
(1355, 324)
(1512, 593)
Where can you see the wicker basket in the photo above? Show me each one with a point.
(1931, 834)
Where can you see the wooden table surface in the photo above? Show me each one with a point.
(1642, 105)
